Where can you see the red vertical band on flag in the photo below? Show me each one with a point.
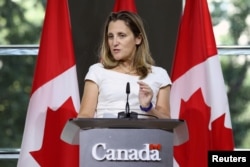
(56, 44)
(128, 5)
(194, 38)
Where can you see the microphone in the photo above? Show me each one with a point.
(127, 113)
(127, 107)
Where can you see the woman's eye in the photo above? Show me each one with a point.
(122, 35)
(110, 36)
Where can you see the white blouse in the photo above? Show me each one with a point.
(112, 89)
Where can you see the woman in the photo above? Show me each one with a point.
(125, 57)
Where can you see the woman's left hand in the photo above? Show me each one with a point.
(145, 94)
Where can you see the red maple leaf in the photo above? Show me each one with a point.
(54, 151)
(194, 152)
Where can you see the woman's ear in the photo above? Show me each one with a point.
(138, 40)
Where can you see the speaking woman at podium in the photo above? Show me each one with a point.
(126, 74)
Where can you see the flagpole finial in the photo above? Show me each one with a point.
(128, 5)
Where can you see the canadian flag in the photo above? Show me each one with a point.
(128, 5)
(198, 93)
(55, 95)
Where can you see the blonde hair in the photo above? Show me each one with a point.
(142, 59)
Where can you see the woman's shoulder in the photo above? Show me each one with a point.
(157, 69)
(161, 75)
(94, 72)
(96, 67)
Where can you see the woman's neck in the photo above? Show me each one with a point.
(126, 67)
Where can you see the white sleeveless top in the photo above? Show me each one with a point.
(112, 89)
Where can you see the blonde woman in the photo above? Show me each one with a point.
(125, 58)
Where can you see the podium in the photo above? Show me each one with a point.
(109, 142)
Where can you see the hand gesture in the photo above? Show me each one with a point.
(145, 94)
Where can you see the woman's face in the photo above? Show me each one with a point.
(121, 41)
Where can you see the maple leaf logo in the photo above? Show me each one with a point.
(194, 152)
(54, 151)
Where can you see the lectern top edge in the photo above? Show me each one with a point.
(90, 123)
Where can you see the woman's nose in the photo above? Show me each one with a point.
(115, 41)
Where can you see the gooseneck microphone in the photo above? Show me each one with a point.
(127, 113)
(127, 107)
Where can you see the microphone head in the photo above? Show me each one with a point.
(128, 88)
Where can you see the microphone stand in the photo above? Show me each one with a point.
(127, 113)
